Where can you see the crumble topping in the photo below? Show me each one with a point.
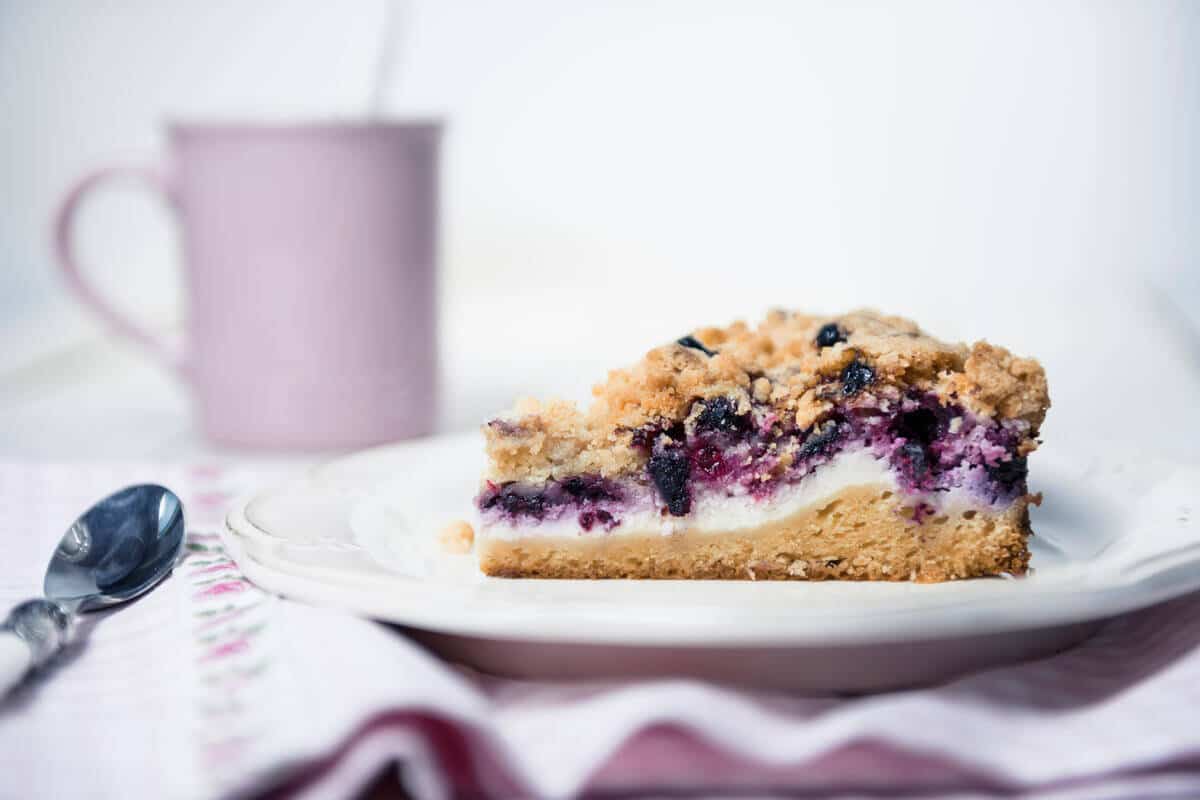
(792, 367)
(457, 538)
(995, 383)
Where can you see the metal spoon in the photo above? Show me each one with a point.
(120, 548)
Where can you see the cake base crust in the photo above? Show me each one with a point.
(862, 533)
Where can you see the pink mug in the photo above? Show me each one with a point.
(310, 265)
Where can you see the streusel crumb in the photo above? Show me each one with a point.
(458, 537)
(799, 364)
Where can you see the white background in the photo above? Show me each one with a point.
(616, 173)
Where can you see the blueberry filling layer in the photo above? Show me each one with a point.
(590, 498)
(724, 451)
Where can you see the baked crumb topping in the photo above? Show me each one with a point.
(458, 537)
(799, 366)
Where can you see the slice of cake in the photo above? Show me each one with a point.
(853, 447)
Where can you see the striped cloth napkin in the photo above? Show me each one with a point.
(209, 687)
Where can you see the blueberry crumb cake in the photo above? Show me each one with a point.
(853, 447)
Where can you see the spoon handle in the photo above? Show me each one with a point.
(15, 660)
(40, 627)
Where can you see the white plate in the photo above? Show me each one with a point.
(1113, 535)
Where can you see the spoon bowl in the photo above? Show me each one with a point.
(118, 549)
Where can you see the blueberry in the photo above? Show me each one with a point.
(507, 496)
(829, 335)
(820, 440)
(920, 426)
(855, 377)
(533, 505)
(643, 438)
(1010, 474)
(720, 414)
(670, 470)
(588, 489)
(695, 344)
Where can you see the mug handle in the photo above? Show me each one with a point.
(64, 251)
